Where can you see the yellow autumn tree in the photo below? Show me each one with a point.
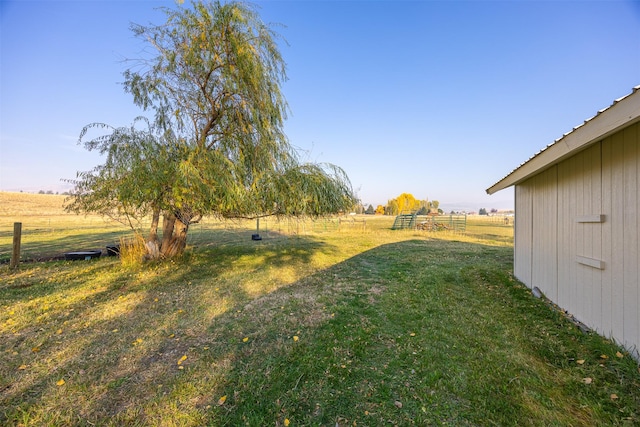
(405, 202)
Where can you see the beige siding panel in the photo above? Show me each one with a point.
(583, 186)
(523, 233)
(580, 236)
(593, 234)
(568, 293)
(620, 297)
(634, 134)
(630, 244)
(617, 236)
(544, 272)
(612, 235)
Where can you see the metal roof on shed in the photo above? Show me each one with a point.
(622, 113)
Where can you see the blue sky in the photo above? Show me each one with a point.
(437, 99)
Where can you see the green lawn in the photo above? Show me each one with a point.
(313, 325)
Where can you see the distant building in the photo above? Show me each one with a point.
(577, 221)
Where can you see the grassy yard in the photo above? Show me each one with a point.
(319, 324)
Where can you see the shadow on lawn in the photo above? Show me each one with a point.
(122, 331)
(163, 344)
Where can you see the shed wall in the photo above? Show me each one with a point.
(523, 237)
(576, 235)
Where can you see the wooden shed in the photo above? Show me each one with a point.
(577, 221)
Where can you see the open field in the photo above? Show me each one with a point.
(48, 231)
(320, 323)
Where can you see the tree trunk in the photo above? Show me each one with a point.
(178, 241)
(152, 244)
(153, 232)
(174, 237)
(168, 223)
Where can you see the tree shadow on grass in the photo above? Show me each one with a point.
(411, 332)
(104, 329)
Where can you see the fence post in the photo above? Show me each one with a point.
(17, 237)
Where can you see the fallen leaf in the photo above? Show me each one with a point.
(412, 334)
(580, 362)
(60, 382)
(245, 339)
(35, 349)
(22, 367)
(398, 404)
(614, 396)
(222, 400)
(587, 380)
(59, 331)
(604, 356)
(182, 359)
(619, 355)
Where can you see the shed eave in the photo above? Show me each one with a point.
(622, 113)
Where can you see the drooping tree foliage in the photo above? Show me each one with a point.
(216, 144)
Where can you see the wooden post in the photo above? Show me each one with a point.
(17, 237)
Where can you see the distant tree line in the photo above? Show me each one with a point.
(51, 192)
(483, 211)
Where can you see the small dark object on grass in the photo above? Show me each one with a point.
(113, 250)
(256, 237)
(85, 255)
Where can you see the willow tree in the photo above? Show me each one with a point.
(216, 144)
